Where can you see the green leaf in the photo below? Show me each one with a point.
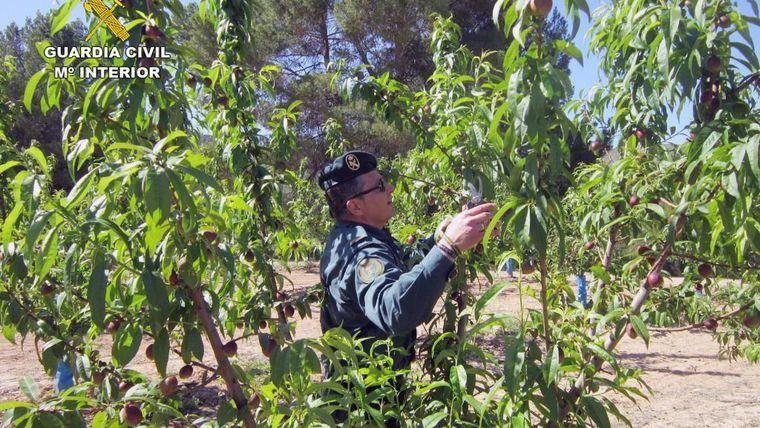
(10, 222)
(496, 11)
(123, 171)
(47, 257)
(226, 413)
(601, 274)
(549, 400)
(35, 229)
(158, 197)
(570, 49)
(192, 344)
(8, 165)
(675, 19)
(30, 388)
(279, 363)
(161, 348)
(537, 232)
(158, 298)
(186, 201)
(753, 155)
(39, 157)
(96, 290)
(551, 365)
(100, 419)
(640, 328)
(496, 218)
(31, 86)
(519, 421)
(458, 379)
(126, 344)
(431, 421)
(127, 146)
(489, 295)
(596, 411)
(115, 228)
(6, 405)
(656, 209)
(77, 194)
(514, 358)
(9, 332)
(601, 352)
(61, 17)
(168, 139)
(48, 420)
(201, 176)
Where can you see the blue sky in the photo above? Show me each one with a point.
(18, 11)
(583, 76)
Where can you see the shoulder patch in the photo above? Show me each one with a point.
(369, 269)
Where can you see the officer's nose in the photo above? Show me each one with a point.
(390, 188)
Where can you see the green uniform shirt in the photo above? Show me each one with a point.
(370, 291)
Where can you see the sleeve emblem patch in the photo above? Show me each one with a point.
(369, 269)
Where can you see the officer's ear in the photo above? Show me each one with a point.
(353, 207)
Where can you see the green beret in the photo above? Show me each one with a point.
(346, 167)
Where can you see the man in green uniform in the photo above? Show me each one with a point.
(368, 289)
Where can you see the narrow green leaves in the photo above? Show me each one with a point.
(158, 299)
(47, 257)
(488, 296)
(96, 289)
(596, 411)
(192, 345)
(158, 195)
(640, 328)
(161, 349)
(61, 17)
(514, 358)
(126, 344)
(31, 86)
(39, 157)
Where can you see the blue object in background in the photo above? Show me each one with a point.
(510, 267)
(580, 281)
(64, 378)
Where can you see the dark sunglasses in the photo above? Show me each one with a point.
(380, 186)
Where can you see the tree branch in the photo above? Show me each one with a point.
(225, 368)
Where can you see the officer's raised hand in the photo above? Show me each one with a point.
(468, 227)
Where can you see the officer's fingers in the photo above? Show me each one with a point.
(482, 218)
(487, 207)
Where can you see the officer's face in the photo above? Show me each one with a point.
(376, 207)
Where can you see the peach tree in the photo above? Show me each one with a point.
(631, 221)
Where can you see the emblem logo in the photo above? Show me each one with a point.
(369, 269)
(352, 162)
(106, 17)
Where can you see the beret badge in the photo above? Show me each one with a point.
(352, 162)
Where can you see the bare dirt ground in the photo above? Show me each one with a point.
(691, 385)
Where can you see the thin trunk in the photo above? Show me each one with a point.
(611, 241)
(225, 368)
(545, 303)
(462, 324)
(325, 36)
(638, 301)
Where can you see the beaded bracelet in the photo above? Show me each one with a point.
(447, 252)
(453, 246)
